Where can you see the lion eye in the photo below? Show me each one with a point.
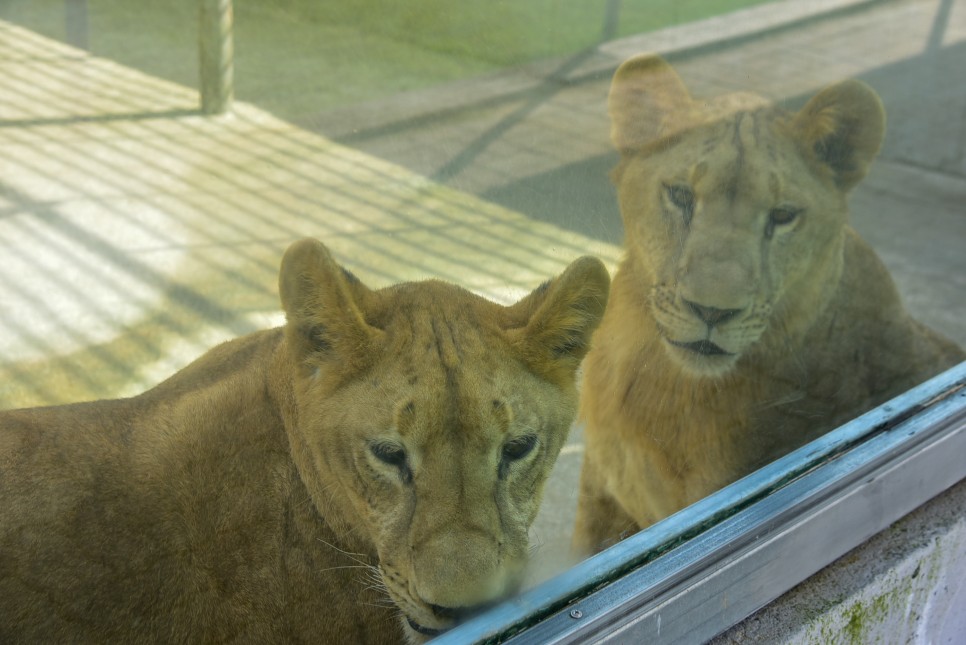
(389, 453)
(683, 198)
(393, 454)
(519, 448)
(783, 215)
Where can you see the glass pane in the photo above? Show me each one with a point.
(749, 201)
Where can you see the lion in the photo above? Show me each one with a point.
(366, 473)
(746, 317)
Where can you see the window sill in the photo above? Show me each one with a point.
(906, 584)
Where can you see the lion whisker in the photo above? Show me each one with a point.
(347, 553)
(348, 566)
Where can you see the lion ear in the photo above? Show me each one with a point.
(322, 303)
(646, 95)
(843, 126)
(553, 325)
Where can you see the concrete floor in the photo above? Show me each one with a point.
(135, 233)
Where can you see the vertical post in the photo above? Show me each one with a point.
(217, 56)
(612, 14)
(75, 21)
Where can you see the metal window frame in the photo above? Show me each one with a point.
(702, 570)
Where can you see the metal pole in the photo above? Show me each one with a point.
(75, 19)
(217, 56)
(612, 14)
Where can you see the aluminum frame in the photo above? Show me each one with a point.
(702, 570)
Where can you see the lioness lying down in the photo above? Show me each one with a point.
(365, 473)
(746, 317)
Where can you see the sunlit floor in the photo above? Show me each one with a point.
(136, 233)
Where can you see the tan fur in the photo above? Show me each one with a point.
(739, 209)
(324, 482)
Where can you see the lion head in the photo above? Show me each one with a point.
(735, 210)
(428, 419)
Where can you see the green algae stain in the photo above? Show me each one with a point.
(855, 627)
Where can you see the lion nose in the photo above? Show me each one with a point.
(712, 315)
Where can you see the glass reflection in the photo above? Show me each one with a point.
(474, 145)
